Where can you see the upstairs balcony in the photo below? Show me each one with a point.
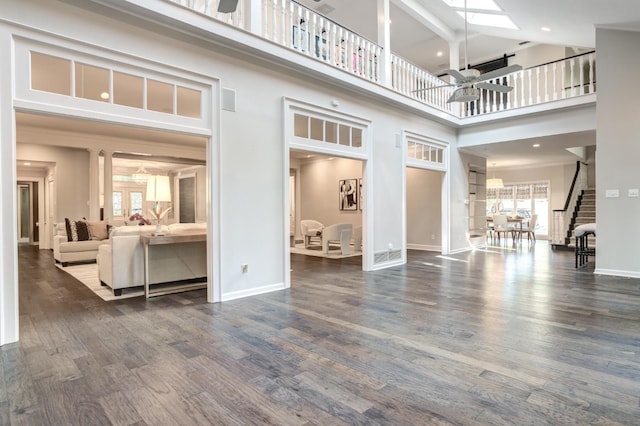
(295, 27)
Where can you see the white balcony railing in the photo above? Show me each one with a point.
(566, 78)
(210, 8)
(294, 26)
(418, 84)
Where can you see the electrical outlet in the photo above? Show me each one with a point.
(245, 268)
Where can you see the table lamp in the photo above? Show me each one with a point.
(158, 190)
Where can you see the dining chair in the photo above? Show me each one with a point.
(501, 225)
(530, 229)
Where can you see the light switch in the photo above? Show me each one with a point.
(634, 192)
(612, 193)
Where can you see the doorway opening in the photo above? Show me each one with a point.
(326, 206)
(424, 209)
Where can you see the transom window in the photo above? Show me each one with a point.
(80, 80)
(328, 131)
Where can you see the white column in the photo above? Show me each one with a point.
(254, 16)
(94, 184)
(108, 185)
(384, 40)
(8, 209)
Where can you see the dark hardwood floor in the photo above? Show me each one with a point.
(517, 337)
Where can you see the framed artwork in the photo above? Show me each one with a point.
(360, 199)
(348, 194)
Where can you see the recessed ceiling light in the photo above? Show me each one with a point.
(439, 53)
(489, 20)
(104, 95)
(547, 29)
(309, 156)
(536, 145)
(26, 163)
(474, 4)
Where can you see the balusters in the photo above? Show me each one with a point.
(592, 74)
(555, 81)
(572, 65)
(563, 70)
(581, 90)
(538, 85)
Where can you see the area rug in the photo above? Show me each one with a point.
(87, 274)
(317, 251)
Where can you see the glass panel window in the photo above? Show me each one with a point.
(92, 83)
(117, 203)
(331, 132)
(188, 102)
(411, 149)
(317, 126)
(356, 137)
(301, 125)
(136, 202)
(344, 135)
(159, 96)
(50, 74)
(128, 90)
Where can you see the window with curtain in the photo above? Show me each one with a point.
(526, 199)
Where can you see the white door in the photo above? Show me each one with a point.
(127, 202)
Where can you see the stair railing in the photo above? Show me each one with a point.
(562, 217)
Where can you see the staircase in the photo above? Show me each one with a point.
(585, 212)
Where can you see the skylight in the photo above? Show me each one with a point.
(474, 4)
(489, 20)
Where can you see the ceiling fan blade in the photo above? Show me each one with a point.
(431, 88)
(500, 72)
(495, 87)
(455, 74)
(227, 6)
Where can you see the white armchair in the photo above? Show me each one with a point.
(340, 232)
(311, 229)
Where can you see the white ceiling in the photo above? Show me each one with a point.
(421, 28)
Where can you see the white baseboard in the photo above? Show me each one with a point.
(252, 292)
(617, 273)
(384, 265)
(424, 247)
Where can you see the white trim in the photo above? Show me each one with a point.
(386, 265)
(43, 226)
(424, 247)
(291, 106)
(617, 273)
(445, 191)
(9, 306)
(252, 292)
(460, 250)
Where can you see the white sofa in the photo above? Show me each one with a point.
(121, 257)
(65, 251)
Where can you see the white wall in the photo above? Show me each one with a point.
(618, 152)
(319, 190)
(252, 158)
(424, 209)
(71, 177)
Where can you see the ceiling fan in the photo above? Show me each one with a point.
(469, 81)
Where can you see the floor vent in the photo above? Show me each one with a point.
(395, 254)
(381, 257)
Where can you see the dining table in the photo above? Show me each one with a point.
(516, 220)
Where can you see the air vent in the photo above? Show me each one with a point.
(325, 9)
(522, 43)
(386, 256)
